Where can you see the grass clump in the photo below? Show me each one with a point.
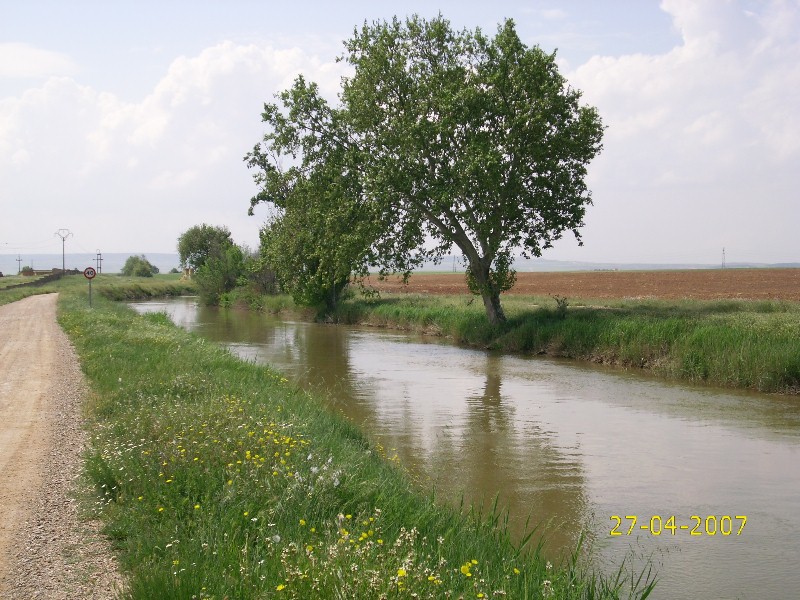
(216, 478)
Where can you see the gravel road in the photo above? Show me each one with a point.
(48, 548)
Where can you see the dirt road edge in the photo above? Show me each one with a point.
(52, 550)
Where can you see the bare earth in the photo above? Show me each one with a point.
(47, 550)
(701, 284)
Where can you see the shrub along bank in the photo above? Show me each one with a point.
(219, 479)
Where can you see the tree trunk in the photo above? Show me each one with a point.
(491, 301)
(490, 295)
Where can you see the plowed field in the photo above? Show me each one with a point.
(755, 284)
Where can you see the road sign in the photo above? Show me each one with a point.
(89, 273)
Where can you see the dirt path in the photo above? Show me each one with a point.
(46, 549)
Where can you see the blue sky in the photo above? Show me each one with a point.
(126, 122)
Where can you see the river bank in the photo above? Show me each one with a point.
(219, 478)
(730, 343)
(735, 328)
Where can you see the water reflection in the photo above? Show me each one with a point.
(561, 442)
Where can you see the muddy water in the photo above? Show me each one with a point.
(563, 443)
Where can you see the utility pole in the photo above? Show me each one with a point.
(19, 265)
(99, 261)
(63, 234)
(723, 257)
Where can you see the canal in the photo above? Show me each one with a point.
(712, 477)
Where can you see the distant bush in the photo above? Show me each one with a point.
(139, 266)
(220, 273)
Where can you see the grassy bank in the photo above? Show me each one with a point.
(218, 479)
(733, 343)
(113, 287)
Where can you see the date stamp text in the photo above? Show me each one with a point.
(710, 525)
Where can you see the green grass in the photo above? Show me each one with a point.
(217, 478)
(115, 287)
(736, 343)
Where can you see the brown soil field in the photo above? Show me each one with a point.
(700, 284)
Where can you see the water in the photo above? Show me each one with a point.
(562, 442)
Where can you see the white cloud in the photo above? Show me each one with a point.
(24, 60)
(706, 133)
(165, 163)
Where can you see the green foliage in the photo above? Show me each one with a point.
(454, 137)
(325, 226)
(26, 270)
(219, 273)
(139, 266)
(561, 306)
(219, 264)
(198, 243)
(259, 275)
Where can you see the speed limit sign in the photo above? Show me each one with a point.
(89, 272)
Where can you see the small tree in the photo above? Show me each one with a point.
(139, 266)
(200, 242)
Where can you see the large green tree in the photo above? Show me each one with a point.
(461, 140)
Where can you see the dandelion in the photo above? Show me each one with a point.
(197, 507)
(280, 587)
(401, 572)
(302, 522)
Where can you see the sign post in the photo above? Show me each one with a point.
(89, 273)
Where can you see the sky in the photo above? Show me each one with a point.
(126, 122)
